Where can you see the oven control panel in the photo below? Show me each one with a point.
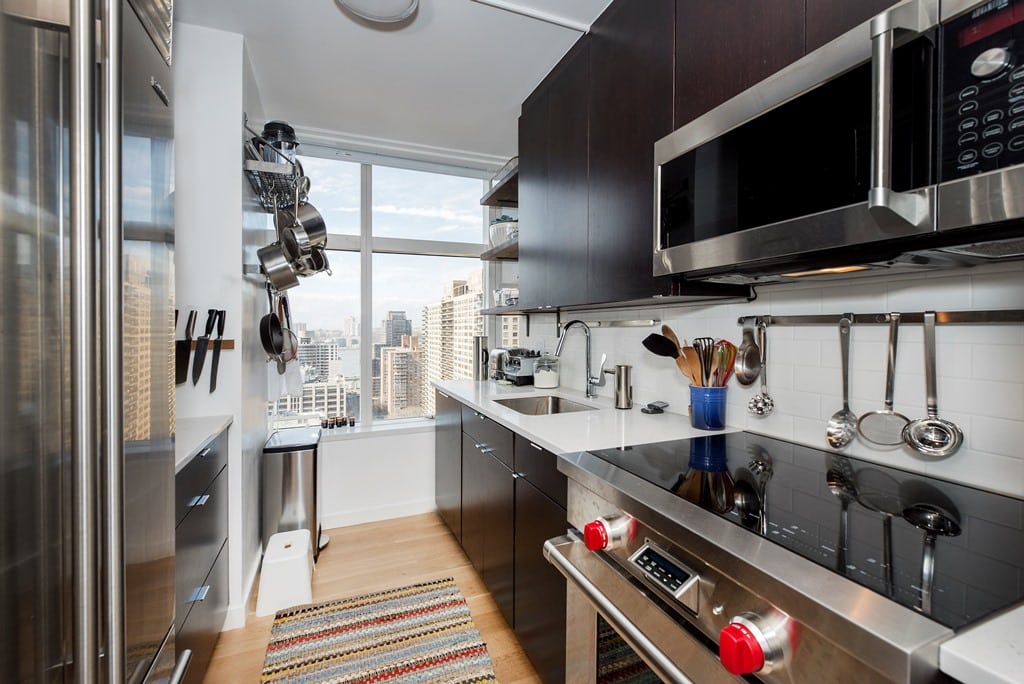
(668, 574)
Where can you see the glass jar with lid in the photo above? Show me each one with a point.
(545, 372)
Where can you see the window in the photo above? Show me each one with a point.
(402, 305)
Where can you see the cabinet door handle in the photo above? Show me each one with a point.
(205, 452)
(536, 447)
(443, 394)
(516, 476)
(198, 501)
(486, 450)
(199, 594)
(178, 675)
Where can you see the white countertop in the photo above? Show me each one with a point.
(192, 434)
(562, 433)
(584, 430)
(991, 653)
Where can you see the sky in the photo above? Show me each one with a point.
(406, 204)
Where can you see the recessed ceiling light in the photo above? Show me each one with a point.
(385, 11)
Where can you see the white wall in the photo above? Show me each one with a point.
(375, 477)
(980, 367)
(213, 83)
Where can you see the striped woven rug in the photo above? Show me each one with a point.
(420, 633)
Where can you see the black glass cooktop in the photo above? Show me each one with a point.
(880, 527)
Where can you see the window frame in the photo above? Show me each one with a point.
(366, 244)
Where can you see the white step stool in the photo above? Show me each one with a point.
(286, 578)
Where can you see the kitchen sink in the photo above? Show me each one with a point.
(543, 406)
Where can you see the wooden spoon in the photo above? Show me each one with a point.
(686, 366)
(693, 361)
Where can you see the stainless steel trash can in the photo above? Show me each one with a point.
(289, 484)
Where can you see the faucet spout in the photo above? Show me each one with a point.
(591, 380)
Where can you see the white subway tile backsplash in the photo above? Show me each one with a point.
(980, 367)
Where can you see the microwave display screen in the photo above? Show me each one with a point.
(978, 30)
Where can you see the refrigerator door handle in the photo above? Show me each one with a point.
(181, 667)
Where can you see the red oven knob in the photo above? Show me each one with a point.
(751, 643)
(606, 532)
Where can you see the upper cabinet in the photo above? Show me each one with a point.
(586, 173)
(724, 47)
(828, 19)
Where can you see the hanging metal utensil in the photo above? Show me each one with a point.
(762, 404)
(842, 426)
(932, 436)
(748, 359)
(884, 426)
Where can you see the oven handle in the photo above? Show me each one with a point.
(655, 657)
(885, 204)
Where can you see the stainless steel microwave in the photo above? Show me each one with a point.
(898, 145)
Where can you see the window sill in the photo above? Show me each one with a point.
(378, 429)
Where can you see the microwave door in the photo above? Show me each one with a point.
(785, 169)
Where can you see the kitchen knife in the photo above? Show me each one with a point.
(201, 345)
(182, 350)
(216, 349)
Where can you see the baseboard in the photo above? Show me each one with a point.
(238, 612)
(346, 518)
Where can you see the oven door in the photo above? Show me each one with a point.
(600, 595)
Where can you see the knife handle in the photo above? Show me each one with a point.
(211, 320)
(190, 327)
(220, 322)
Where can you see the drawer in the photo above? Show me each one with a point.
(540, 467)
(205, 619)
(198, 540)
(485, 431)
(196, 477)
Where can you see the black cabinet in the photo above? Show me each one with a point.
(553, 187)
(828, 19)
(201, 586)
(724, 47)
(488, 505)
(630, 108)
(448, 461)
(539, 588)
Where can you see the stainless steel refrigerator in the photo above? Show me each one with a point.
(87, 326)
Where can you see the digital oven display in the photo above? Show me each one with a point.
(993, 18)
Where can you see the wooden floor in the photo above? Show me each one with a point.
(373, 557)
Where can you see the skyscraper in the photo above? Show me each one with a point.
(449, 327)
(395, 327)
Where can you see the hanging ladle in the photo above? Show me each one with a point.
(842, 426)
(885, 427)
(932, 436)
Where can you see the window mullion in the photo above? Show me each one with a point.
(366, 294)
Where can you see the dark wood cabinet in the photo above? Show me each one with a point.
(828, 19)
(201, 533)
(488, 506)
(448, 461)
(723, 48)
(630, 107)
(553, 187)
(540, 588)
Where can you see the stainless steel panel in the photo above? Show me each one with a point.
(148, 346)
(35, 463)
(985, 198)
(289, 494)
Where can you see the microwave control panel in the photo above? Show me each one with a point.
(983, 90)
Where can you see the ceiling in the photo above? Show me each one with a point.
(446, 84)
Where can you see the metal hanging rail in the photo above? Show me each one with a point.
(941, 318)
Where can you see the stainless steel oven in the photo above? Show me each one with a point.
(738, 555)
(899, 144)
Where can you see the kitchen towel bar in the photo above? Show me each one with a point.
(941, 318)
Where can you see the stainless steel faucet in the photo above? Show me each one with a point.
(592, 380)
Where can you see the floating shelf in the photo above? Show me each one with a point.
(504, 190)
(506, 251)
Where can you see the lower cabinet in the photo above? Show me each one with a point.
(448, 461)
(201, 555)
(512, 501)
(539, 588)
